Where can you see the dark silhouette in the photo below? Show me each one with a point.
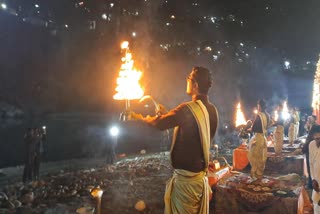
(29, 155)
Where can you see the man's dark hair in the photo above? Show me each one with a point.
(262, 104)
(203, 77)
(315, 129)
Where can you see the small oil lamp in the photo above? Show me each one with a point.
(97, 193)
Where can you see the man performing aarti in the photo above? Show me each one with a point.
(293, 120)
(279, 132)
(258, 145)
(195, 125)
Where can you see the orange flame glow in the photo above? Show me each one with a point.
(128, 87)
(240, 120)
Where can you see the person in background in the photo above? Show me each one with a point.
(297, 125)
(279, 132)
(305, 150)
(303, 121)
(44, 144)
(195, 125)
(258, 145)
(292, 127)
(29, 155)
(111, 155)
(314, 159)
(37, 156)
(310, 122)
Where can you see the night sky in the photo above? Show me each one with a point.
(64, 55)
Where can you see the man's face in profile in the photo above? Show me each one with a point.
(190, 84)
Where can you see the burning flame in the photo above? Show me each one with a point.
(240, 120)
(128, 87)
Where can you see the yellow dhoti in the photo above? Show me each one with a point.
(291, 133)
(188, 193)
(278, 139)
(258, 155)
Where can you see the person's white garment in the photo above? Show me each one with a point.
(257, 154)
(297, 130)
(316, 208)
(314, 158)
(278, 139)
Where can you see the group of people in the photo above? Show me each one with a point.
(195, 124)
(292, 120)
(35, 148)
(258, 146)
(258, 143)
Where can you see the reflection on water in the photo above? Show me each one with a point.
(74, 136)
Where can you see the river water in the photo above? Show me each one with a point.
(77, 136)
